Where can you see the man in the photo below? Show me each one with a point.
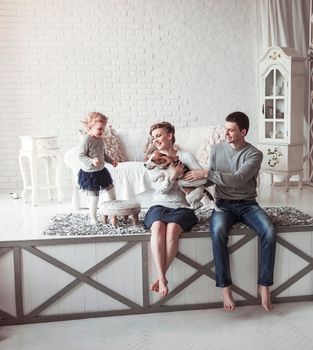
(234, 167)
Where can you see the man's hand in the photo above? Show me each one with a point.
(196, 174)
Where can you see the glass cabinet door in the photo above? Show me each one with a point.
(274, 106)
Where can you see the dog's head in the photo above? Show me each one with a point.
(160, 160)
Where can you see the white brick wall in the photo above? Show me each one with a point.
(138, 61)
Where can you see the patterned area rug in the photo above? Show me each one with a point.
(78, 224)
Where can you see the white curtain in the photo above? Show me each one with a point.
(283, 23)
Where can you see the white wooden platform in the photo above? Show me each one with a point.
(69, 278)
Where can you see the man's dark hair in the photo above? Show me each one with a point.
(241, 119)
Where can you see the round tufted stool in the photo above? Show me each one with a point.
(120, 208)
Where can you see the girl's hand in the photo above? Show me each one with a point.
(95, 161)
(196, 174)
(115, 163)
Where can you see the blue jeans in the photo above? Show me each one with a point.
(249, 213)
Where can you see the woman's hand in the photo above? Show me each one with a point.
(196, 174)
(178, 171)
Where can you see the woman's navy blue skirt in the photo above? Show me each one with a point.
(95, 181)
(185, 217)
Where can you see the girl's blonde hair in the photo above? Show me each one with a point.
(94, 117)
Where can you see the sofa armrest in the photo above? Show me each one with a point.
(72, 161)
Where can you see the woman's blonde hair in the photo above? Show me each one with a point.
(169, 128)
(94, 117)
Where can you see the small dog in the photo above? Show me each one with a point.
(160, 161)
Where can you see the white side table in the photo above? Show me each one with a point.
(46, 147)
(287, 175)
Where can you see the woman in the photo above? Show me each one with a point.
(169, 216)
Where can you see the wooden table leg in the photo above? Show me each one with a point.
(23, 172)
(49, 171)
(272, 179)
(58, 169)
(287, 183)
(114, 220)
(34, 178)
(300, 181)
(135, 219)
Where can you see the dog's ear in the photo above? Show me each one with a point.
(157, 157)
(161, 160)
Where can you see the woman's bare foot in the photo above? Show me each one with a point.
(163, 289)
(229, 304)
(154, 287)
(265, 294)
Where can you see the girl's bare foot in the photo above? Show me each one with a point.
(163, 289)
(229, 304)
(265, 294)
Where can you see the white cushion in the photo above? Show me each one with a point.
(190, 139)
(133, 143)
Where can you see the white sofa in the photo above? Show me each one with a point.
(130, 178)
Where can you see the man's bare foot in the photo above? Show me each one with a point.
(154, 287)
(163, 289)
(229, 304)
(266, 298)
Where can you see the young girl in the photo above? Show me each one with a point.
(93, 176)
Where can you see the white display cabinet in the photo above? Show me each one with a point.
(281, 110)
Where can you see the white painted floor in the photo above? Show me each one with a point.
(289, 326)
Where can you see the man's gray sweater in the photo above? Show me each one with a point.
(234, 171)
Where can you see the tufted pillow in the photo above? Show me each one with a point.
(216, 134)
(189, 138)
(149, 148)
(112, 145)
